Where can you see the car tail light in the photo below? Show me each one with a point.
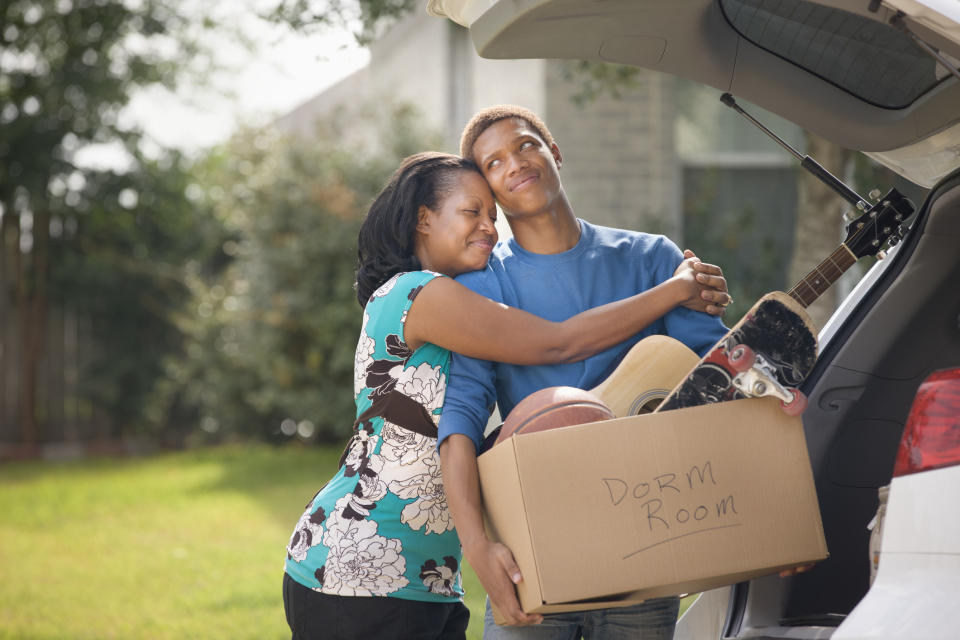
(931, 438)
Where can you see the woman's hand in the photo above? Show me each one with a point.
(704, 285)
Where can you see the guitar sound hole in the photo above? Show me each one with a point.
(647, 407)
(651, 406)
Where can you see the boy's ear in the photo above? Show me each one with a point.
(423, 219)
(555, 150)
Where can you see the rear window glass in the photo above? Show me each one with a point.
(871, 60)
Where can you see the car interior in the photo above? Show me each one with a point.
(903, 326)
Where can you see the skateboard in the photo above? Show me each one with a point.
(769, 352)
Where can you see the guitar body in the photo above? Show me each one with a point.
(648, 372)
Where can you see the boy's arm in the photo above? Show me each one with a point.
(492, 561)
(468, 403)
(466, 409)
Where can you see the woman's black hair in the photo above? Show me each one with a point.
(386, 242)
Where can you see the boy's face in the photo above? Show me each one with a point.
(519, 166)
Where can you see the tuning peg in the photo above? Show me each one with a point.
(874, 194)
(881, 254)
(896, 236)
(849, 216)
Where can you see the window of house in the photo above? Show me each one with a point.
(738, 191)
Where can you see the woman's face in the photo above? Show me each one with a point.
(459, 234)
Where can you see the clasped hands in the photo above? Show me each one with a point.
(708, 287)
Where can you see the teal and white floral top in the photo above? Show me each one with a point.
(381, 526)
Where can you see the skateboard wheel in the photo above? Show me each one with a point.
(796, 406)
(742, 358)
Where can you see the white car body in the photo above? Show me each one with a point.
(918, 577)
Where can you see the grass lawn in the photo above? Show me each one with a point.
(182, 545)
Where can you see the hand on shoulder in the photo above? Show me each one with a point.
(704, 285)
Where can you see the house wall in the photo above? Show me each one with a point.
(620, 167)
(411, 63)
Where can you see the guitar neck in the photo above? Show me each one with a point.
(823, 275)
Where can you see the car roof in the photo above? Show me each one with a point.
(834, 67)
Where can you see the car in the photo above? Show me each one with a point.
(883, 420)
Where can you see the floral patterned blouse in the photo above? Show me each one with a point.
(381, 526)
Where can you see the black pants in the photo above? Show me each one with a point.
(313, 615)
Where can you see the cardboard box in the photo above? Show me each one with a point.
(612, 513)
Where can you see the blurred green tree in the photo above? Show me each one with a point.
(67, 69)
(123, 265)
(364, 18)
(272, 338)
(211, 296)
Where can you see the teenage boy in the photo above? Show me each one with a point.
(555, 266)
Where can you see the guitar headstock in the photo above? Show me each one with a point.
(867, 234)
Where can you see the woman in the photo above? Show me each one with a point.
(375, 554)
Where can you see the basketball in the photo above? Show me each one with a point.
(554, 407)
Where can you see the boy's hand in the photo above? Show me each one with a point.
(708, 286)
(498, 573)
(786, 573)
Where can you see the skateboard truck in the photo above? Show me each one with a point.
(756, 378)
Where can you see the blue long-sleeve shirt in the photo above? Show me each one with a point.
(605, 265)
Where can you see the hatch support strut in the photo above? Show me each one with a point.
(899, 23)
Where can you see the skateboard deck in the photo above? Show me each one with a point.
(770, 351)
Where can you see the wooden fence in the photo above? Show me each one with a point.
(65, 420)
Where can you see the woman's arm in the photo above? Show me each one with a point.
(451, 316)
